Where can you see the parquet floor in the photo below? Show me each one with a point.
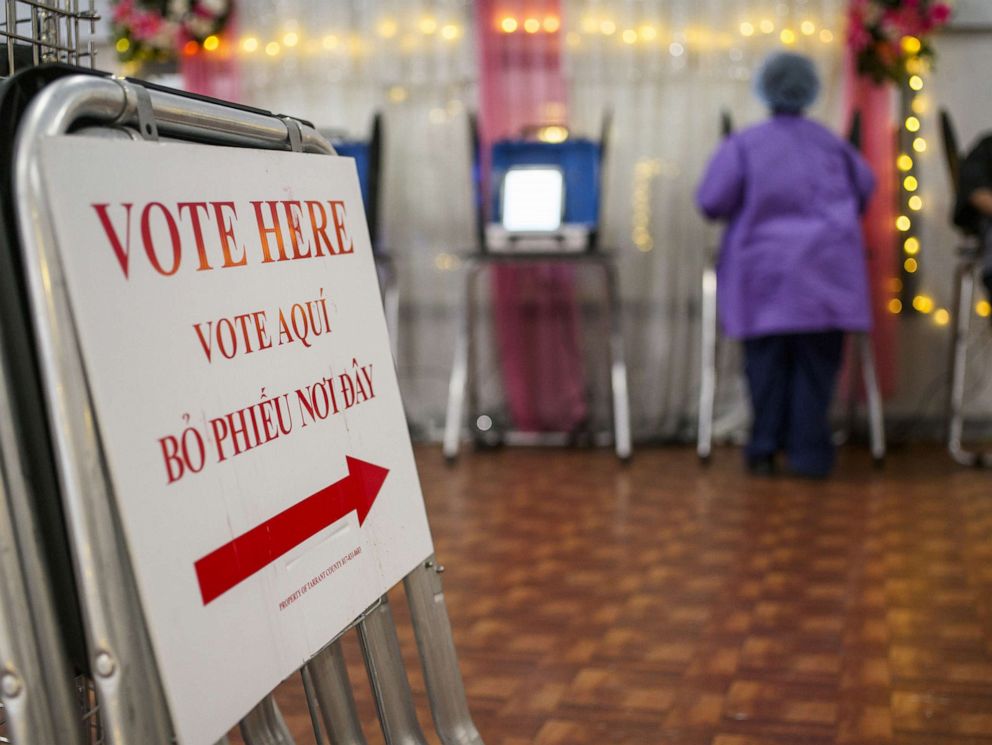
(664, 603)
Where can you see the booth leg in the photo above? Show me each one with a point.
(264, 725)
(455, 414)
(618, 368)
(964, 293)
(436, 644)
(707, 382)
(332, 689)
(390, 686)
(876, 420)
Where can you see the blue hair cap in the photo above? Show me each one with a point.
(788, 83)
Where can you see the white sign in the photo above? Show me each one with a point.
(231, 326)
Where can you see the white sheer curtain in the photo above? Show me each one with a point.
(666, 69)
(336, 63)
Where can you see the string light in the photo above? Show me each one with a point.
(916, 82)
(552, 24)
(747, 29)
(249, 44)
(904, 163)
(923, 304)
(983, 308)
(387, 28)
(903, 223)
(648, 32)
(920, 145)
(272, 48)
(910, 183)
(629, 36)
(911, 45)
(508, 25)
(290, 39)
(895, 306)
(910, 265)
(826, 36)
(942, 317)
(915, 203)
(532, 25)
(450, 32)
(211, 43)
(767, 26)
(788, 36)
(912, 245)
(808, 28)
(607, 28)
(912, 124)
(427, 25)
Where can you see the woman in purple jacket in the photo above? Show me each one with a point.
(791, 272)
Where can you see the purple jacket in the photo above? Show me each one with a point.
(792, 259)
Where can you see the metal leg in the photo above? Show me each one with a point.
(264, 725)
(876, 420)
(313, 707)
(964, 294)
(707, 382)
(618, 366)
(390, 686)
(432, 628)
(454, 416)
(333, 692)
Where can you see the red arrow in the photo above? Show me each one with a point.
(236, 561)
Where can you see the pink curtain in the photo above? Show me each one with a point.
(878, 138)
(212, 73)
(536, 316)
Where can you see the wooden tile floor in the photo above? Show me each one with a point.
(665, 603)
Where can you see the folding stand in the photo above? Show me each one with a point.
(120, 661)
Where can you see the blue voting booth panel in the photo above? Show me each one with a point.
(360, 150)
(579, 160)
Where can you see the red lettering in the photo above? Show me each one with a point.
(123, 253)
(339, 228)
(264, 231)
(194, 218)
(146, 236)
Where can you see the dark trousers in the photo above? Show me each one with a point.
(792, 377)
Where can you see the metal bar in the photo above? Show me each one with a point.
(132, 701)
(312, 706)
(707, 368)
(333, 691)
(964, 294)
(432, 629)
(384, 662)
(618, 365)
(455, 413)
(876, 419)
(35, 677)
(264, 725)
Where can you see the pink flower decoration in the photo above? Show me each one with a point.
(146, 25)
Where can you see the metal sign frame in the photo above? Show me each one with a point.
(133, 707)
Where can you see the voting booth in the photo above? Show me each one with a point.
(544, 207)
(207, 474)
(965, 279)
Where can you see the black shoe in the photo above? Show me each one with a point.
(761, 466)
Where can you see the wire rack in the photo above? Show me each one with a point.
(33, 32)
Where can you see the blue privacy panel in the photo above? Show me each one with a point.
(359, 150)
(578, 160)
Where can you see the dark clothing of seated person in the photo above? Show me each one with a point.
(973, 210)
(792, 277)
